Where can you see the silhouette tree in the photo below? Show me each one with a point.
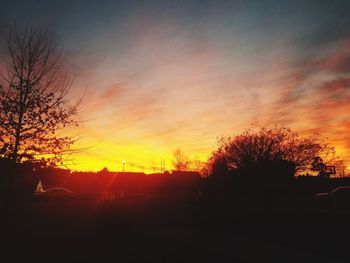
(196, 165)
(271, 151)
(34, 103)
(181, 161)
(318, 165)
(216, 165)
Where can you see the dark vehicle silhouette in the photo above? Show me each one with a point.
(339, 199)
(57, 193)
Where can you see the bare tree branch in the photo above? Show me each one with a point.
(34, 102)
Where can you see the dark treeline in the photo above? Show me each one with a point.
(90, 184)
(233, 187)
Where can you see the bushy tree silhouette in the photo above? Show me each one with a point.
(276, 152)
(33, 100)
(217, 165)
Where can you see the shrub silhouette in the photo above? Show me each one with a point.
(264, 153)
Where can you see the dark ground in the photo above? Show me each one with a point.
(143, 229)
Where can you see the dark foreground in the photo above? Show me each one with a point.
(141, 229)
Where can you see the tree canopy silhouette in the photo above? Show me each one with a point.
(270, 151)
(34, 103)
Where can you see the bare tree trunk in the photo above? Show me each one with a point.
(18, 136)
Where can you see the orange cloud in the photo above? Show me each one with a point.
(315, 98)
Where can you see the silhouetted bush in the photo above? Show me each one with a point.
(264, 154)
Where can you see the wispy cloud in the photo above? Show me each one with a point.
(315, 96)
(163, 75)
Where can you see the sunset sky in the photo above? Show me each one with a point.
(162, 75)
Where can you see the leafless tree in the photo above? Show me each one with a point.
(181, 161)
(34, 102)
(196, 165)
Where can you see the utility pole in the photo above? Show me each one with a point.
(162, 166)
(124, 165)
